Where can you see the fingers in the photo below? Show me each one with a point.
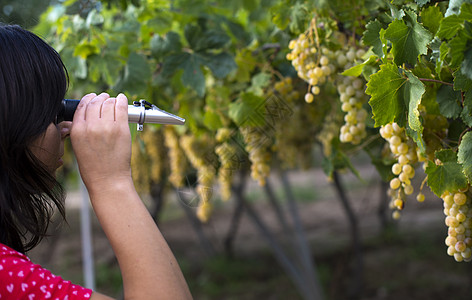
(121, 109)
(102, 107)
(108, 109)
(79, 114)
(94, 106)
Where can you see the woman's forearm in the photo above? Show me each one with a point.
(149, 269)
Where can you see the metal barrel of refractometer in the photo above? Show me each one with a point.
(136, 114)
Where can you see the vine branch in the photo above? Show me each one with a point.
(436, 81)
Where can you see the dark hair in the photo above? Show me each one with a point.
(33, 82)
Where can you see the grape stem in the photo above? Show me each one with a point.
(436, 81)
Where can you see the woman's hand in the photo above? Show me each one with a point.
(102, 143)
(101, 140)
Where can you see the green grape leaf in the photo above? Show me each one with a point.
(220, 64)
(246, 63)
(213, 39)
(173, 62)
(193, 76)
(200, 40)
(439, 53)
(280, 15)
(429, 101)
(259, 82)
(449, 102)
(191, 64)
(295, 15)
(159, 24)
(455, 129)
(417, 138)
(299, 15)
(247, 110)
(466, 10)
(396, 13)
(468, 28)
(163, 45)
(371, 37)
(391, 95)
(413, 91)
(212, 120)
(466, 114)
(408, 40)
(136, 75)
(356, 70)
(457, 48)
(238, 31)
(192, 34)
(466, 67)
(449, 26)
(461, 81)
(422, 2)
(383, 87)
(446, 175)
(85, 49)
(432, 17)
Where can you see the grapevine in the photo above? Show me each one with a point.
(396, 73)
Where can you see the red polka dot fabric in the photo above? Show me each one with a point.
(22, 279)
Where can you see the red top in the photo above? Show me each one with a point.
(22, 279)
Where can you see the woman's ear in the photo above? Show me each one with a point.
(65, 127)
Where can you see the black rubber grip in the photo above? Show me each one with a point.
(67, 110)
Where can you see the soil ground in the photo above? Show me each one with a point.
(406, 261)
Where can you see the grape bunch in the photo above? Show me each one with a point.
(199, 152)
(352, 97)
(285, 88)
(154, 141)
(147, 160)
(177, 160)
(458, 211)
(258, 145)
(404, 150)
(316, 63)
(312, 64)
(227, 155)
(328, 132)
(140, 166)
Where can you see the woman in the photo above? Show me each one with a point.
(33, 81)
